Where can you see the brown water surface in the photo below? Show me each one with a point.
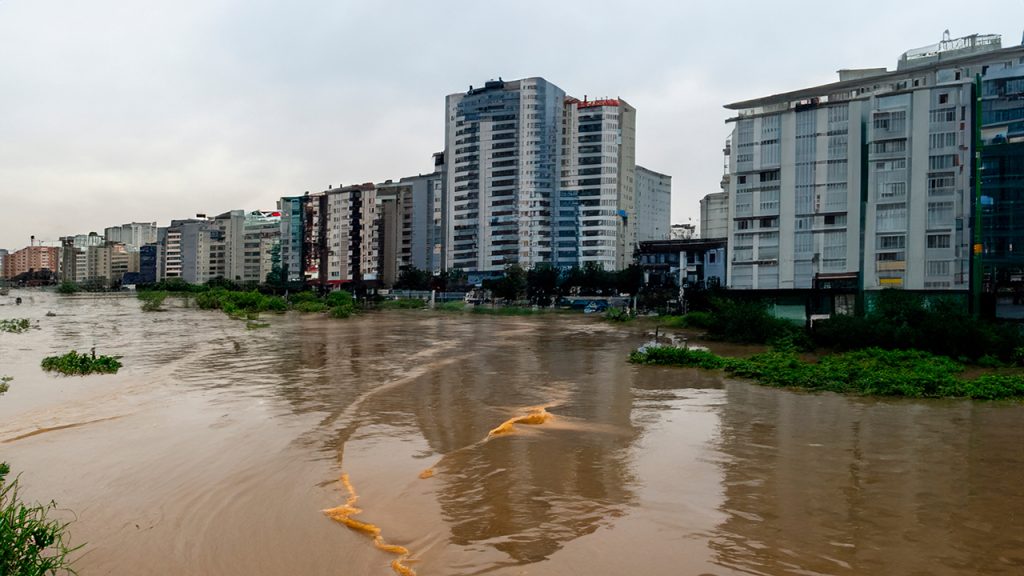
(482, 445)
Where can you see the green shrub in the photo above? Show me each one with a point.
(5, 382)
(618, 315)
(672, 356)
(403, 304)
(74, 363)
(747, 322)
(504, 310)
(453, 306)
(67, 287)
(310, 306)
(14, 325)
(31, 543)
(152, 299)
(702, 320)
(871, 371)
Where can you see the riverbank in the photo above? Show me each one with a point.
(871, 372)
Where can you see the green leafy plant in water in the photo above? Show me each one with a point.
(31, 543)
(15, 325)
(74, 363)
(871, 371)
(5, 382)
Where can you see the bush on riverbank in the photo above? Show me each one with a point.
(31, 543)
(67, 287)
(14, 325)
(871, 371)
(504, 310)
(403, 304)
(152, 300)
(902, 320)
(74, 363)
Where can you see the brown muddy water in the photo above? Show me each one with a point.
(482, 445)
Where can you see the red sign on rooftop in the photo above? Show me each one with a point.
(596, 103)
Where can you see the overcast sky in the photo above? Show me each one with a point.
(114, 111)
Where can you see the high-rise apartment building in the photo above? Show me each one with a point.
(261, 245)
(714, 216)
(502, 152)
(596, 217)
(534, 177)
(865, 183)
(32, 259)
(132, 235)
(653, 205)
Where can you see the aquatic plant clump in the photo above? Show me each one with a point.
(31, 543)
(75, 364)
(15, 325)
(871, 371)
(5, 382)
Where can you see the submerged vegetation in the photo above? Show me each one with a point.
(14, 325)
(5, 382)
(75, 364)
(31, 543)
(871, 371)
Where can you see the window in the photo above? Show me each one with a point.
(943, 162)
(942, 140)
(891, 218)
(835, 220)
(711, 257)
(944, 98)
(937, 268)
(892, 242)
(769, 222)
(938, 240)
(940, 214)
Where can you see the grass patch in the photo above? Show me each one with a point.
(872, 371)
(74, 363)
(504, 311)
(310, 307)
(403, 304)
(14, 326)
(453, 306)
(31, 543)
(254, 325)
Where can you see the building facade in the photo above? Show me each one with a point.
(653, 205)
(714, 215)
(502, 150)
(32, 259)
(864, 183)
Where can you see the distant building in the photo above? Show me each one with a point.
(682, 232)
(653, 205)
(714, 215)
(292, 236)
(132, 235)
(697, 263)
(32, 259)
(502, 149)
(596, 208)
(261, 246)
(3, 262)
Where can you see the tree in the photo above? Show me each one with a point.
(542, 284)
(412, 278)
(511, 285)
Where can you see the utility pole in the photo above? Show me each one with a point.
(977, 248)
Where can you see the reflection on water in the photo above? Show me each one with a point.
(483, 445)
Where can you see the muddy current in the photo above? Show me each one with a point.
(453, 444)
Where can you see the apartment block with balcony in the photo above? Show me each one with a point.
(596, 210)
(653, 205)
(865, 183)
(502, 152)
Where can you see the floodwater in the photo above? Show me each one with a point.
(418, 442)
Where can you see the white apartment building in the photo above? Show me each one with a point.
(596, 218)
(502, 150)
(653, 205)
(714, 215)
(865, 181)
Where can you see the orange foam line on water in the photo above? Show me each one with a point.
(536, 417)
(343, 515)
